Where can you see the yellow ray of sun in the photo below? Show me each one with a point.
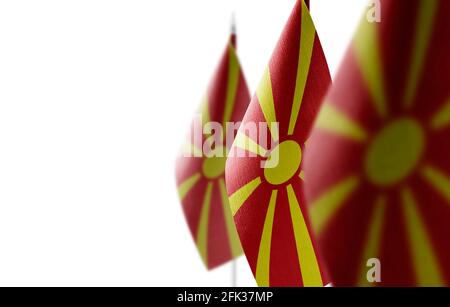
(202, 233)
(232, 84)
(308, 34)
(233, 237)
(442, 117)
(265, 97)
(332, 120)
(307, 143)
(263, 262)
(187, 185)
(367, 51)
(241, 195)
(302, 175)
(191, 150)
(244, 142)
(306, 254)
(425, 261)
(204, 110)
(424, 29)
(372, 248)
(323, 209)
(438, 180)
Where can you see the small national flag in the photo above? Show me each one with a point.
(377, 165)
(268, 204)
(200, 175)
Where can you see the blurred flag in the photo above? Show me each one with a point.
(377, 165)
(200, 175)
(268, 203)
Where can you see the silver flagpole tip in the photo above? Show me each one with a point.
(233, 23)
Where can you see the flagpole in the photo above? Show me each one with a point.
(233, 33)
(233, 30)
(234, 273)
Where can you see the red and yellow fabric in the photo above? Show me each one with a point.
(377, 165)
(201, 180)
(268, 203)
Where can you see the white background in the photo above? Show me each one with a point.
(95, 99)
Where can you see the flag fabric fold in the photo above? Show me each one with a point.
(268, 204)
(377, 165)
(200, 175)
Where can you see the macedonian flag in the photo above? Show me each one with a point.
(378, 162)
(200, 175)
(264, 175)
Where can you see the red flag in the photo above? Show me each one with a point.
(200, 175)
(377, 165)
(268, 203)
